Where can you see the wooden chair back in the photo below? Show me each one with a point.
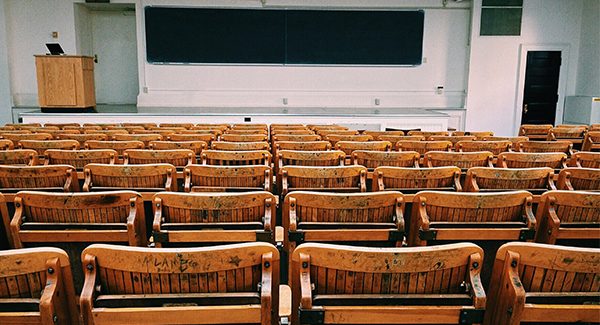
(413, 180)
(205, 178)
(514, 140)
(148, 178)
(245, 131)
(310, 158)
(544, 283)
(80, 158)
(57, 178)
(296, 137)
(82, 129)
(591, 141)
(331, 179)
(423, 146)
(41, 146)
(176, 125)
(376, 134)
(349, 146)
(335, 138)
(479, 135)
(535, 131)
(163, 132)
(19, 157)
(145, 138)
(82, 138)
(302, 145)
(554, 160)
(262, 126)
(17, 137)
(109, 133)
(61, 125)
(463, 160)
(546, 146)
(364, 219)
(6, 144)
(339, 132)
(216, 132)
(37, 287)
(452, 138)
(193, 218)
(383, 286)
(175, 157)
(196, 146)
(139, 125)
(495, 147)
(427, 134)
(458, 217)
(118, 146)
(586, 159)
(594, 127)
(78, 218)
(228, 284)
(20, 126)
(579, 179)
(206, 137)
(575, 134)
(208, 126)
(56, 133)
(535, 180)
(236, 158)
(568, 215)
(240, 146)
(245, 137)
(395, 138)
(374, 159)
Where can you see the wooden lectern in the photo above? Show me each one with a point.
(65, 81)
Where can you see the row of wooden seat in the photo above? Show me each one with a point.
(331, 284)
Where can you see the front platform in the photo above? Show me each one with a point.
(357, 118)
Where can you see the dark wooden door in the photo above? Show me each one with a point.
(541, 87)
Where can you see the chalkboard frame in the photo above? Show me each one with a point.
(415, 63)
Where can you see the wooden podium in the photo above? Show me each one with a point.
(65, 81)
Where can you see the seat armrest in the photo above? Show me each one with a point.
(285, 304)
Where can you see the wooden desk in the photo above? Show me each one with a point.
(65, 81)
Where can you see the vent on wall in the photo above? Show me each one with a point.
(501, 17)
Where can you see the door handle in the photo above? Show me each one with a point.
(96, 58)
(525, 110)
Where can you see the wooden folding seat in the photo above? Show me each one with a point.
(363, 219)
(43, 129)
(514, 140)
(162, 129)
(61, 125)
(16, 137)
(240, 146)
(236, 158)
(15, 131)
(244, 137)
(337, 132)
(291, 132)
(579, 179)
(163, 132)
(6, 144)
(216, 132)
(575, 134)
(56, 133)
(495, 147)
(220, 127)
(395, 138)
(335, 138)
(586, 159)
(296, 137)
(109, 133)
(427, 134)
(424, 146)
(195, 146)
(138, 125)
(37, 287)
(326, 127)
(176, 125)
(554, 160)
(227, 284)
(183, 219)
(376, 134)
(205, 178)
(41, 146)
(250, 126)
(457, 217)
(19, 126)
(102, 125)
(176, 157)
(594, 127)
(118, 146)
(82, 129)
(129, 129)
(535, 180)
(80, 158)
(146, 178)
(302, 145)
(7, 128)
(310, 158)
(547, 146)
(591, 141)
(145, 138)
(206, 137)
(247, 131)
(463, 160)
(50, 218)
(538, 283)
(452, 138)
(57, 178)
(374, 159)
(23, 157)
(479, 135)
(335, 284)
(82, 138)
(331, 179)
(349, 146)
(535, 132)
(410, 180)
(568, 216)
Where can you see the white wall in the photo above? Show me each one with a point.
(445, 48)
(83, 30)
(30, 24)
(588, 73)
(494, 64)
(5, 95)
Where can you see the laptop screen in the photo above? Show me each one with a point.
(55, 48)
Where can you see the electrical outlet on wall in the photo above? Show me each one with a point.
(439, 90)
